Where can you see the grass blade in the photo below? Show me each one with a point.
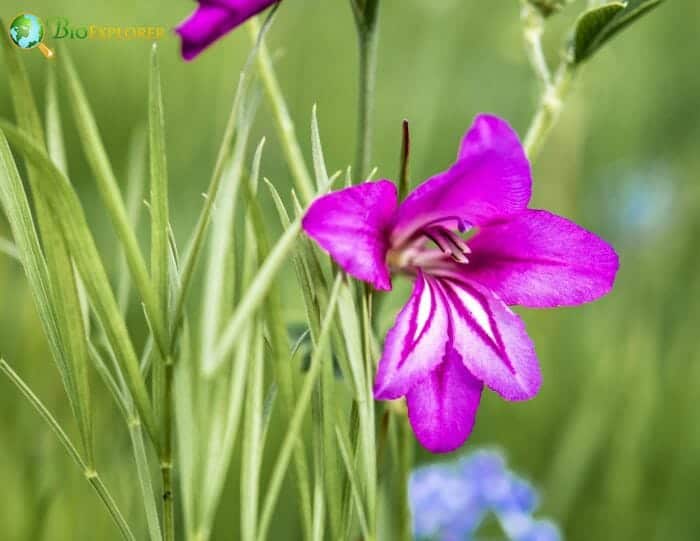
(160, 221)
(69, 214)
(317, 151)
(71, 355)
(135, 180)
(220, 273)
(112, 199)
(355, 486)
(90, 474)
(197, 243)
(252, 442)
(296, 421)
(144, 476)
(253, 298)
(54, 134)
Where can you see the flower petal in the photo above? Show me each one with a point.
(541, 260)
(351, 225)
(492, 341)
(416, 344)
(442, 408)
(212, 20)
(490, 179)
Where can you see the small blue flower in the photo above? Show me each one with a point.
(450, 500)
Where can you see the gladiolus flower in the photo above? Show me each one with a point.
(214, 19)
(457, 333)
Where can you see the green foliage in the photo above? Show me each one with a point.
(598, 25)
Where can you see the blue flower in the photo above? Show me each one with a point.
(450, 500)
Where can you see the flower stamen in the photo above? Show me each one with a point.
(449, 242)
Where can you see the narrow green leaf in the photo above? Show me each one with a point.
(221, 441)
(189, 437)
(253, 298)
(121, 397)
(220, 275)
(68, 213)
(317, 151)
(256, 228)
(112, 198)
(160, 221)
(355, 486)
(251, 459)
(296, 421)
(197, 240)
(64, 309)
(268, 407)
(319, 453)
(160, 245)
(90, 474)
(144, 477)
(54, 133)
(135, 181)
(329, 401)
(279, 205)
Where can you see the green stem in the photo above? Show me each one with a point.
(367, 418)
(555, 90)
(166, 461)
(404, 465)
(549, 109)
(367, 42)
(533, 28)
(90, 474)
(142, 467)
(283, 120)
(104, 494)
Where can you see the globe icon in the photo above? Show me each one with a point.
(26, 31)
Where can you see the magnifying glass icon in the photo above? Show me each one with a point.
(27, 32)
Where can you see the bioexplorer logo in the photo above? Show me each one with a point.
(27, 31)
(62, 28)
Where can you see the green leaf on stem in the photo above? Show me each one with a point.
(597, 26)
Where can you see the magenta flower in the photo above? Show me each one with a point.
(456, 332)
(214, 19)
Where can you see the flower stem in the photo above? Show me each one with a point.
(166, 461)
(367, 417)
(404, 465)
(549, 109)
(533, 28)
(555, 89)
(367, 41)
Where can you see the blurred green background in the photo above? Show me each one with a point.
(613, 439)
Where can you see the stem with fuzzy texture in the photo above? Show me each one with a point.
(556, 88)
(549, 110)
